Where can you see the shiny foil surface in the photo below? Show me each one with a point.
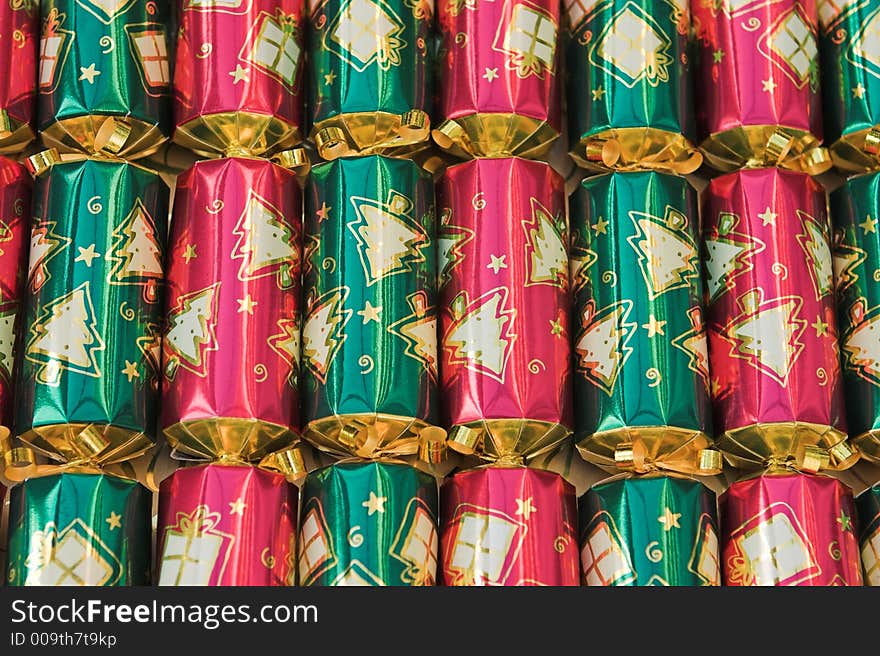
(641, 365)
(369, 74)
(231, 347)
(368, 524)
(868, 511)
(772, 328)
(223, 524)
(510, 526)
(500, 86)
(18, 86)
(15, 213)
(103, 59)
(758, 84)
(855, 210)
(89, 356)
(369, 341)
(651, 530)
(238, 76)
(786, 529)
(850, 51)
(630, 100)
(79, 529)
(503, 251)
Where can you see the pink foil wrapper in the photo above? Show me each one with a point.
(789, 529)
(503, 269)
(15, 205)
(20, 23)
(775, 373)
(226, 525)
(508, 526)
(231, 347)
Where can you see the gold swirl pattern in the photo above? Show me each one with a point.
(267, 559)
(329, 265)
(355, 537)
(653, 374)
(839, 36)
(151, 8)
(125, 312)
(752, 25)
(876, 275)
(478, 202)
(321, 22)
(18, 208)
(94, 205)
(779, 269)
(215, 207)
(560, 544)
(260, 372)
(536, 366)
(367, 364)
(609, 278)
(107, 44)
(19, 38)
(461, 39)
(653, 552)
(822, 375)
(834, 550)
(205, 51)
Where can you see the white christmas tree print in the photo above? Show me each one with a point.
(481, 335)
(286, 344)
(603, 345)
(389, 240)
(728, 254)
(547, 256)
(7, 339)
(136, 253)
(693, 343)
(45, 244)
(64, 337)
(667, 255)
(451, 240)
(814, 243)
(190, 336)
(324, 331)
(150, 345)
(861, 342)
(766, 333)
(266, 243)
(846, 259)
(419, 331)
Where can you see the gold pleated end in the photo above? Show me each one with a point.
(858, 152)
(229, 438)
(495, 135)
(241, 133)
(632, 149)
(801, 446)
(115, 136)
(757, 146)
(98, 444)
(647, 449)
(868, 445)
(506, 442)
(374, 436)
(369, 133)
(14, 135)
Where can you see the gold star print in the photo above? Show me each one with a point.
(844, 521)
(370, 313)
(598, 92)
(669, 519)
(374, 504)
(600, 227)
(715, 387)
(820, 327)
(87, 255)
(767, 217)
(768, 85)
(189, 253)
(490, 74)
(324, 213)
(717, 56)
(496, 264)
(131, 370)
(246, 304)
(654, 327)
(330, 78)
(858, 91)
(237, 507)
(556, 328)
(869, 225)
(525, 507)
(239, 74)
(88, 73)
(114, 520)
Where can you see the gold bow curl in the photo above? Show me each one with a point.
(110, 136)
(858, 152)
(637, 149)
(369, 133)
(635, 457)
(810, 459)
(756, 146)
(507, 442)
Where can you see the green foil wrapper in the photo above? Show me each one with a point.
(855, 211)
(630, 99)
(849, 43)
(101, 59)
(79, 529)
(88, 362)
(368, 523)
(653, 530)
(641, 373)
(868, 511)
(369, 81)
(369, 340)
